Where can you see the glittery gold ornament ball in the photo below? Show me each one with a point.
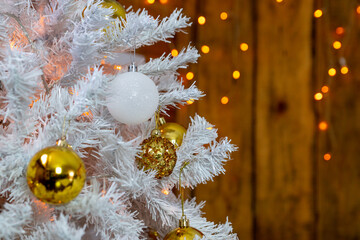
(56, 174)
(173, 132)
(157, 153)
(187, 233)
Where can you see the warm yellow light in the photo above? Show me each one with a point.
(58, 170)
(224, 100)
(165, 191)
(163, 1)
(358, 9)
(223, 15)
(117, 67)
(318, 13)
(43, 159)
(332, 72)
(318, 96)
(174, 52)
(327, 156)
(150, 1)
(337, 44)
(325, 89)
(244, 47)
(279, 1)
(209, 128)
(323, 126)
(201, 20)
(344, 70)
(190, 101)
(236, 74)
(340, 30)
(190, 76)
(205, 49)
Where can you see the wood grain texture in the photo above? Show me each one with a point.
(339, 178)
(278, 186)
(234, 189)
(284, 121)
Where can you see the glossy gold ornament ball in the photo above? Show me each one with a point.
(173, 132)
(119, 11)
(157, 153)
(56, 174)
(180, 233)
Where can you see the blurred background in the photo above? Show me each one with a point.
(282, 79)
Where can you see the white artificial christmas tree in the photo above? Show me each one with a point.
(53, 86)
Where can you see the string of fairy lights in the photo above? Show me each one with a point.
(332, 71)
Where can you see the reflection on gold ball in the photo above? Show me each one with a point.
(187, 233)
(158, 154)
(173, 132)
(56, 175)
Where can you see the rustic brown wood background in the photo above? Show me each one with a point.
(278, 186)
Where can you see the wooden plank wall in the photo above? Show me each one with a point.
(278, 186)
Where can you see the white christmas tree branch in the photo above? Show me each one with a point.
(60, 228)
(107, 211)
(177, 94)
(141, 29)
(20, 76)
(204, 162)
(13, 219)
(166, 64)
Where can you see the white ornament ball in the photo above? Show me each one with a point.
(133, 98)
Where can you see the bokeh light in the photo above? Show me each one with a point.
(318, 13)
(201, 20)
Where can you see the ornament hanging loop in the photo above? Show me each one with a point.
(62, 142)
(183, 222)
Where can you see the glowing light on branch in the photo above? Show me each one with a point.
(190, 76)
(165, 191)
(117, 67)
(163, 1)
(174, 52)
(150, 1)
(190, 101)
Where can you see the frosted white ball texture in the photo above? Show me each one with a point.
(133, 98)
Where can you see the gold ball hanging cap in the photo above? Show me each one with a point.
(156, 133)
(63, 143)
(184, 222)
